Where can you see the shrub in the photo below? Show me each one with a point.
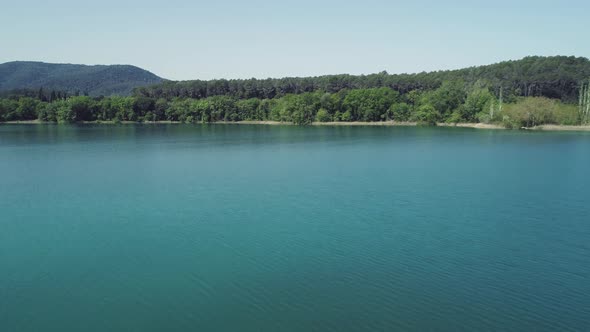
(530, 112)
(427, 115)
(323, 116)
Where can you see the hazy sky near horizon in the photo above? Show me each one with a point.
(182, 39)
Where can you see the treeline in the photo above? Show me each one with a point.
(555, 77)
(449, 101)
(40, 94)
(452, 101)
(523, 93)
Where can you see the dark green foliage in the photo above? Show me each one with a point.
(477, 101)
(369, 104)
(553, 77)
(8, 109)
(447, 98)
(357, 105)
(27, 108)
(246, 109)
(142, 105)
(82, 108)
(399, 112)
(65, 114)
(427, 115)
(303, 114)
(323, 116)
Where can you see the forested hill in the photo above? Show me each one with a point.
(554, 77)
(74, 79)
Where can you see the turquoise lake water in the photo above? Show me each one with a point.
(283, 228)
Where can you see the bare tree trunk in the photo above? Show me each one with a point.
(584, 103)
(581, 104)
(501, 99)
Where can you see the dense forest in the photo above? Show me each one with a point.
(523, 93)
(91, 80)
(553, 77)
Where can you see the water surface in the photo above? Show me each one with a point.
(271, 228)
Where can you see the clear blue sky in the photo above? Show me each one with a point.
(241, 39)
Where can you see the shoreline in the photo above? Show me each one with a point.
(546, 127)
(550, 127)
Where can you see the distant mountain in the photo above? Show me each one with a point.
(94, 80)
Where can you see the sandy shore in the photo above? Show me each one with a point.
(354, 123)
(560, 128)
(360, 123)
(472, 125)
(378, 124)
(24, 122)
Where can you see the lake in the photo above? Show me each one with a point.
(285, 228)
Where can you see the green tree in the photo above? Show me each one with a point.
(160, 108)
(8, 109)
(300, 109)
(122, 108)
(27, 108)
(399, 112)
(477, 101)
(323, 116)
(446, 99)
(142, 105)
(246, 109)
(264, 109)
(64, 113)
(427, 115)
(346, 117)
(49, 112)
(369, 104)
(82, 106)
